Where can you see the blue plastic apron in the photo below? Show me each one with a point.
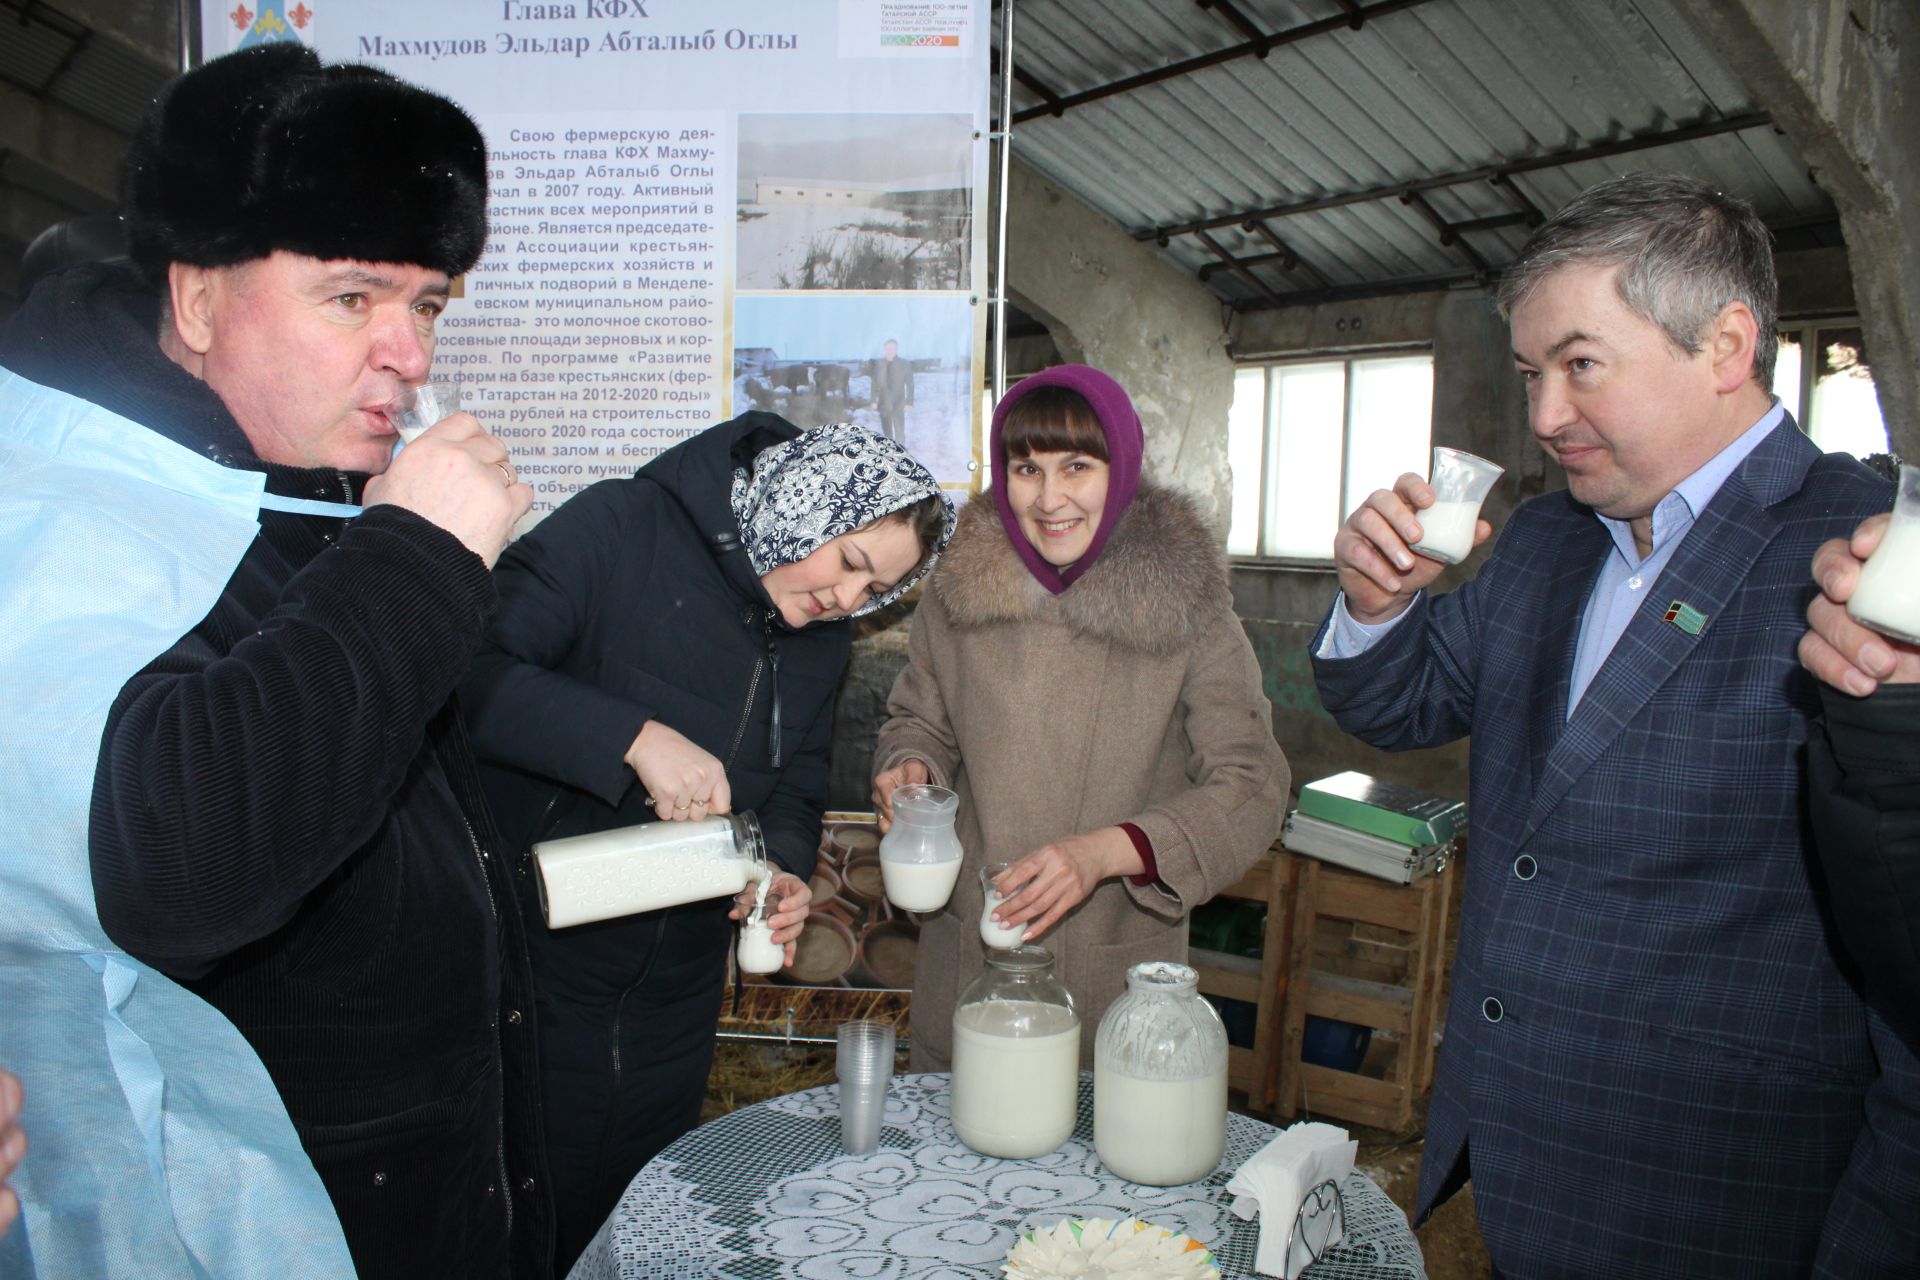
(158, 1146)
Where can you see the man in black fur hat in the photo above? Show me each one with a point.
(285, 812)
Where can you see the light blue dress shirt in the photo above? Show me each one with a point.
(1625, 578)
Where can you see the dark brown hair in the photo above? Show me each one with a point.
(928, 520)
(1052, 420)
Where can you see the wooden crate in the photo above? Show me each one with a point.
(1369, 952)
(1261, 982)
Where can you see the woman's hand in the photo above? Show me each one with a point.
(683, 781)
(13, 1147)
(909, 772)
(787, 899)
(1058, 877)
(1848, 656)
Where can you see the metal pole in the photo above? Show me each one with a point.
(189, 34)
(1000, 246)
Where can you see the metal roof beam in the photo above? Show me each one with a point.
(1239, 22)
(1449, 234)
(1238, 267)
(1421, 284)
(1289, 260)
(1251, 48)
(1366, 289)
(1033, 84)
(1496, 173)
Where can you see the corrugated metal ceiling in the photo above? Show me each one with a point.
(1420, 89)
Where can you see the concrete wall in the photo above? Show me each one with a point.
(1843, 81)
(1111, 302)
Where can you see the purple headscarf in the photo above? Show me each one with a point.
(1125, 445)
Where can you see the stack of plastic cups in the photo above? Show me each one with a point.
(865, 1065)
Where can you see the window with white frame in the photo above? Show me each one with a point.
(1309, 439)
(1822, 377)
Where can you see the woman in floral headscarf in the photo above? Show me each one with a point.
(667, 647)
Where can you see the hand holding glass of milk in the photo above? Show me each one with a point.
(1460, 482)
(993, 932)
(1887, 596)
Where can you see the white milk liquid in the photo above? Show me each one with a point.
(919, 886)
(758, 952)
(633, 869)
(1015, 1096)
(1888, 595)
(1160, 1133)
(1446, 531)
(998, 935)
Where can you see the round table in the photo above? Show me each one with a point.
(766, 1193)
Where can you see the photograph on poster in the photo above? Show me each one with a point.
(898, 365)
(851, 201)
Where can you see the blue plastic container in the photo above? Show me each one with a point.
(1328, 1042)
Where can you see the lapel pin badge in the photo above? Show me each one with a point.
(1685, 616)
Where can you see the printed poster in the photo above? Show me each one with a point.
(698, 209)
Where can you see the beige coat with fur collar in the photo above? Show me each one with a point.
(1133, 696)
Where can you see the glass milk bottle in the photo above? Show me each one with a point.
(643, 868)
(1016, 1057)
(920, 856)
(1160, 1079)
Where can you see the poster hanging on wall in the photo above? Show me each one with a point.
(697, 210)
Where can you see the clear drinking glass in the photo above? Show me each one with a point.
(1460, 482)
(417, 408)
(993, 933)
(863, 1061)
(1887, 597)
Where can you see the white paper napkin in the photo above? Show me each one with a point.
(1276, 1179)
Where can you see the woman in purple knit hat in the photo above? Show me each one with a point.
(1076, 673)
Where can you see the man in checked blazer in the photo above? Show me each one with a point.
(1657, 1062)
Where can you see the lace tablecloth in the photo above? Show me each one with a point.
(766, 1193)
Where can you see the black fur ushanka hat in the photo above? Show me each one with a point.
(267, 149)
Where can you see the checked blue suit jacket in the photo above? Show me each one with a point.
(1655, 1061)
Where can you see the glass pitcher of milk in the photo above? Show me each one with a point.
(920, 856)
(1016, 1057)
(1160, 1079)
(1887, 597)
(645, 867)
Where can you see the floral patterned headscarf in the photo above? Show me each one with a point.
(827, 481)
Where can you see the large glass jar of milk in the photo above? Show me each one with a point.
(1016, 1057)
(1160, 1079)
(920, 855)
(645, 867)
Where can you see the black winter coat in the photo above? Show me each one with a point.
(635, 601)
(1865, 782)
(287, 819)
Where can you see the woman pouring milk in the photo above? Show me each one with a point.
(1076, 673)
(667, 647)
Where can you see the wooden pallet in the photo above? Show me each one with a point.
(1324, 983)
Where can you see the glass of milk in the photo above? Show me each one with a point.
(920, 856)
(992, 932)
(417, 408)
(758, 952)
(1887, 597)
(1460, 482)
